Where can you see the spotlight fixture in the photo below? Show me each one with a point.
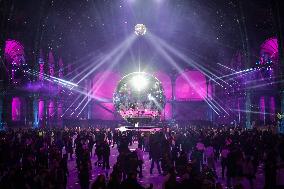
(140, 29)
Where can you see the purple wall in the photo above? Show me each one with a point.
(100, 113)
(104, 84)
(196, 90)
(166, 83)
(16, 109)
(191, 111)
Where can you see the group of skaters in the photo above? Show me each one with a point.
(186, 158)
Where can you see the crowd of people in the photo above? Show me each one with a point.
(186, 157)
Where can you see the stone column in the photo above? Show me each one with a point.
(278, 17)
(59, 110)
(35, 113)
(7, 107)
(238, 108)
(281, 122)
(210, 111)
(173, 82)
(248, 110)
(267, 110)
(90, 104)
(45, 113)
(1, 113)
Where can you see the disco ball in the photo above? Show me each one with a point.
(139, 98)
(140, 29)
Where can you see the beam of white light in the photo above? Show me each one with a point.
(81, 61)
(65, 82)
(109, 56)
(151, 98)
(253, 112)
(83, 108)
(127, 43)
(226, 67)
(67, 108)
(77, 89)
(71, 105)
(232, 74)
(185, 58)
(87, 68)
(53, 79)
(86, 97)
(261, 80)
(173, 63)
(236, 74)
(265, 84)
(114, 63)
(210, 103)
(88, 94)
(81, 103)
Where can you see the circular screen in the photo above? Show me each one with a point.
(139, 98)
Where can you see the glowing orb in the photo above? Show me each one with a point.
(140, 29)
(139, 82)
(139, 98)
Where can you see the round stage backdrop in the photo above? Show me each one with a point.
(139, 98)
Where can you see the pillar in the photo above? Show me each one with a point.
(7, 109)
(278, 17)
(59, 113)
(26, 105)
(248, 110)
(45, 113)
(35, 113)
(247, 58)
(1, 113)
(272, 108)
(262, 110)
(281, 124)
(239, 109)
(267, 110)
(90, 104)
(210, 111)
(173, 82)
